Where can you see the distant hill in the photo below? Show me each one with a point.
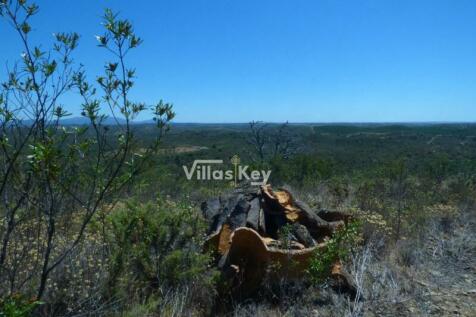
(86, 121)
(241, 125)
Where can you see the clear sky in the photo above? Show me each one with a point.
(276, 60)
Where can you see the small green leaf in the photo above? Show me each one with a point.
(112, 67)
(32, 9)
(37, 52)
(25, 28)
(49, 68)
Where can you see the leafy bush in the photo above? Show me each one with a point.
(338, 248)
(156, 249)
(17, 306)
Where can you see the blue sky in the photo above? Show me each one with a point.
(296, 60)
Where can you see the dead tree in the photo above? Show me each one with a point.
(281, 141)
(258, 138)
(269, 142)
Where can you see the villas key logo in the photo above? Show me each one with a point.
(207, 170)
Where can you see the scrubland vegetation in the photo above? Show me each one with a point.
(99, 219)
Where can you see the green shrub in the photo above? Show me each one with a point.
(285, 235)
(156, 247)
(17, 306)
(338, 248)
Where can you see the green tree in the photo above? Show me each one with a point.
(54, 178)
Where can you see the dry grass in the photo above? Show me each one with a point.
(432, 274)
